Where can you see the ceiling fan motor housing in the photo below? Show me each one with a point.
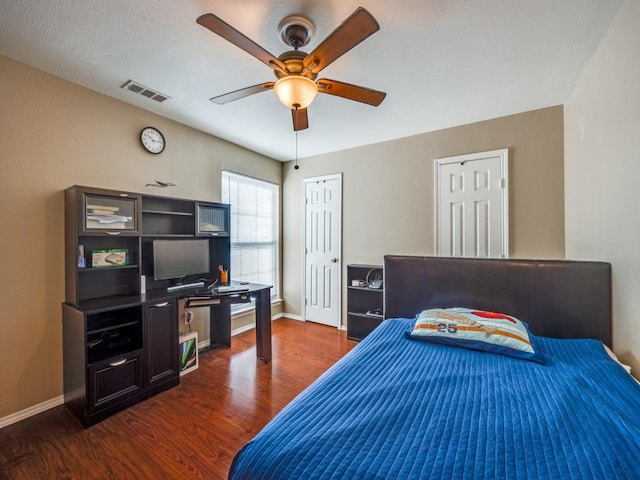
(293, 59)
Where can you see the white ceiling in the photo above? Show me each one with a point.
(442, 62)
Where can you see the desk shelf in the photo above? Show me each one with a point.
(90, 270)
(167, 216)
(161, 212)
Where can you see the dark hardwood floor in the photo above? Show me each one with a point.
(191, 431)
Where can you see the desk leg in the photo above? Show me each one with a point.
(263, 325)
(220, 326)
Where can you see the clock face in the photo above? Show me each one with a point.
(152, 140)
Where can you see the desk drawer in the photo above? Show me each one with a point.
(235, 298)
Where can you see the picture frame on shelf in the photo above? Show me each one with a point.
(188, 352)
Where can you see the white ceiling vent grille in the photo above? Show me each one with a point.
(140, 89)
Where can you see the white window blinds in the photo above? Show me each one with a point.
(254, 228)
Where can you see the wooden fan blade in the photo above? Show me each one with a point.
(226, 31)
(351, 92)
(350, 33)
(300, 118)
(243, 92)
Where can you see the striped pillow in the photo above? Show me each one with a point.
(477, 330)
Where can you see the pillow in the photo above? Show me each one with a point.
(477, 330)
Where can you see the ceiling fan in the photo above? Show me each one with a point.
(296, 70)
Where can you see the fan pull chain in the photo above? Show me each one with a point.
(296, 165)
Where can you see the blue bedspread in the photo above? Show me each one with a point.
(395, 408)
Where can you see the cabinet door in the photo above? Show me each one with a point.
(161, 341)
(213, 220)
(108, 212)
(114, 380)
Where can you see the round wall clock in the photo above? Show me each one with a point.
(152, 140)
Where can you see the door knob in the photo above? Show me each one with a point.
(334, 260)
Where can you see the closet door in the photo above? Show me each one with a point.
(472, 216)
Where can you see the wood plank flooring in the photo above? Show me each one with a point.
(191, 431)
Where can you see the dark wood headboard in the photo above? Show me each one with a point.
(557, 298)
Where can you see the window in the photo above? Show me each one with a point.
(254, 229)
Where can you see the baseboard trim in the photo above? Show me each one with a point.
(31, 411)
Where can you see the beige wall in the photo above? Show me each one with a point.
(55, 134)
(602, 137)
(388, 196)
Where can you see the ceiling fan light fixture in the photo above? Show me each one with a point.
(296, 91)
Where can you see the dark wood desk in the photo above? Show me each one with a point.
(219, 304)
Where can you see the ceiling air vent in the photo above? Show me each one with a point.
(140, 89)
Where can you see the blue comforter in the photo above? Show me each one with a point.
(396, 408)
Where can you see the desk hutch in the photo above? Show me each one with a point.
(120, 327)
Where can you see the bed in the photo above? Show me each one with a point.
(400, 406)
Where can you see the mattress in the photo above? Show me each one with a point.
(394, 407)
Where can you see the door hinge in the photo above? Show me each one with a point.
(503, 183)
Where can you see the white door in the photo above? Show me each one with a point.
(472, 217)
(323, 206)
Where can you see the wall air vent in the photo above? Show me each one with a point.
(140, 89)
